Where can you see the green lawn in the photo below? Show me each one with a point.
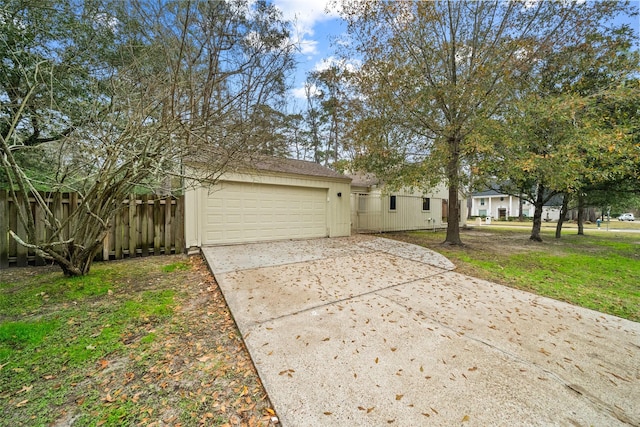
(118, 347)
(600, 271)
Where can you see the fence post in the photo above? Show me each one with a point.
(133, 226)
(157, 226)
(144, 226)
(22, 252)
(4, 229)
(179, 225)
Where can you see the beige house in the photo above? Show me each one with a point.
(375, 210)
(274, 200)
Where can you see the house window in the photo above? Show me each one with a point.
(392, 203)
(362, 202)
(481, 202)
(426, 204)
(502, 199)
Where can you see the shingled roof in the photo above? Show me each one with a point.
(297, 167)
(220, 160)
(363, 179)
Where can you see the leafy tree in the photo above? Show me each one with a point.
(269, 131)
(331, 88)
(573, 131)
(121, 93)
(441, 69)
(314, 122)
(293, 132)
(537, 153)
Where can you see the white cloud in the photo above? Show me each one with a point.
(301, 92)
(326, 63)
(304, 15)
(528, 4)
(308, 47)
(298, 93)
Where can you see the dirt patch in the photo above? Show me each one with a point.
(187, 369)
(11, 275)
(202, 373)
(494, 242)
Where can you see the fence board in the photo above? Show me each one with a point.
(22, 253)
(106, 246)
(178, 226)
(118, 231)
(41, 231)
(145, 225)
(168, 221)
(134, 228)
(125, 228)
(4, 229)
(157, 220)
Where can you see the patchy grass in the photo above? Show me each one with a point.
(135, 342)
(600, 271)
(176, 266)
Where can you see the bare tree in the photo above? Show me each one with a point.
(116, 95)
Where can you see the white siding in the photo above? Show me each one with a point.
(370, 212)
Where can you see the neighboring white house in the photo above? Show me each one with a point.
(277, 199)
(374, 210)
(496, 205)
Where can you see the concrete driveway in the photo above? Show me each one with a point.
(369, 331)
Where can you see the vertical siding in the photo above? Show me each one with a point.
(371, 212)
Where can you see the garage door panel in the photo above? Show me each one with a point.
(243, 212)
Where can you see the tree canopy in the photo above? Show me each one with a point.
(434, 73)
(573, 131)
(114, 95)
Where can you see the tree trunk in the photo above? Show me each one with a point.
(453, 220)
(563, 215)
(537, 216)
(520, 203)
(580, 215)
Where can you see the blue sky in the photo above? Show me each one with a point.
(315, 29)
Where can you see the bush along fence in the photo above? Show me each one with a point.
(146, 225)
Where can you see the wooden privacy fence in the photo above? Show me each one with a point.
(146, 225)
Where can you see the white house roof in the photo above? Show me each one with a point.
(487, 193)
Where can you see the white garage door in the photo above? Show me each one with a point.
(244, 212)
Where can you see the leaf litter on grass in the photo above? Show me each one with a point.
(184, 367)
